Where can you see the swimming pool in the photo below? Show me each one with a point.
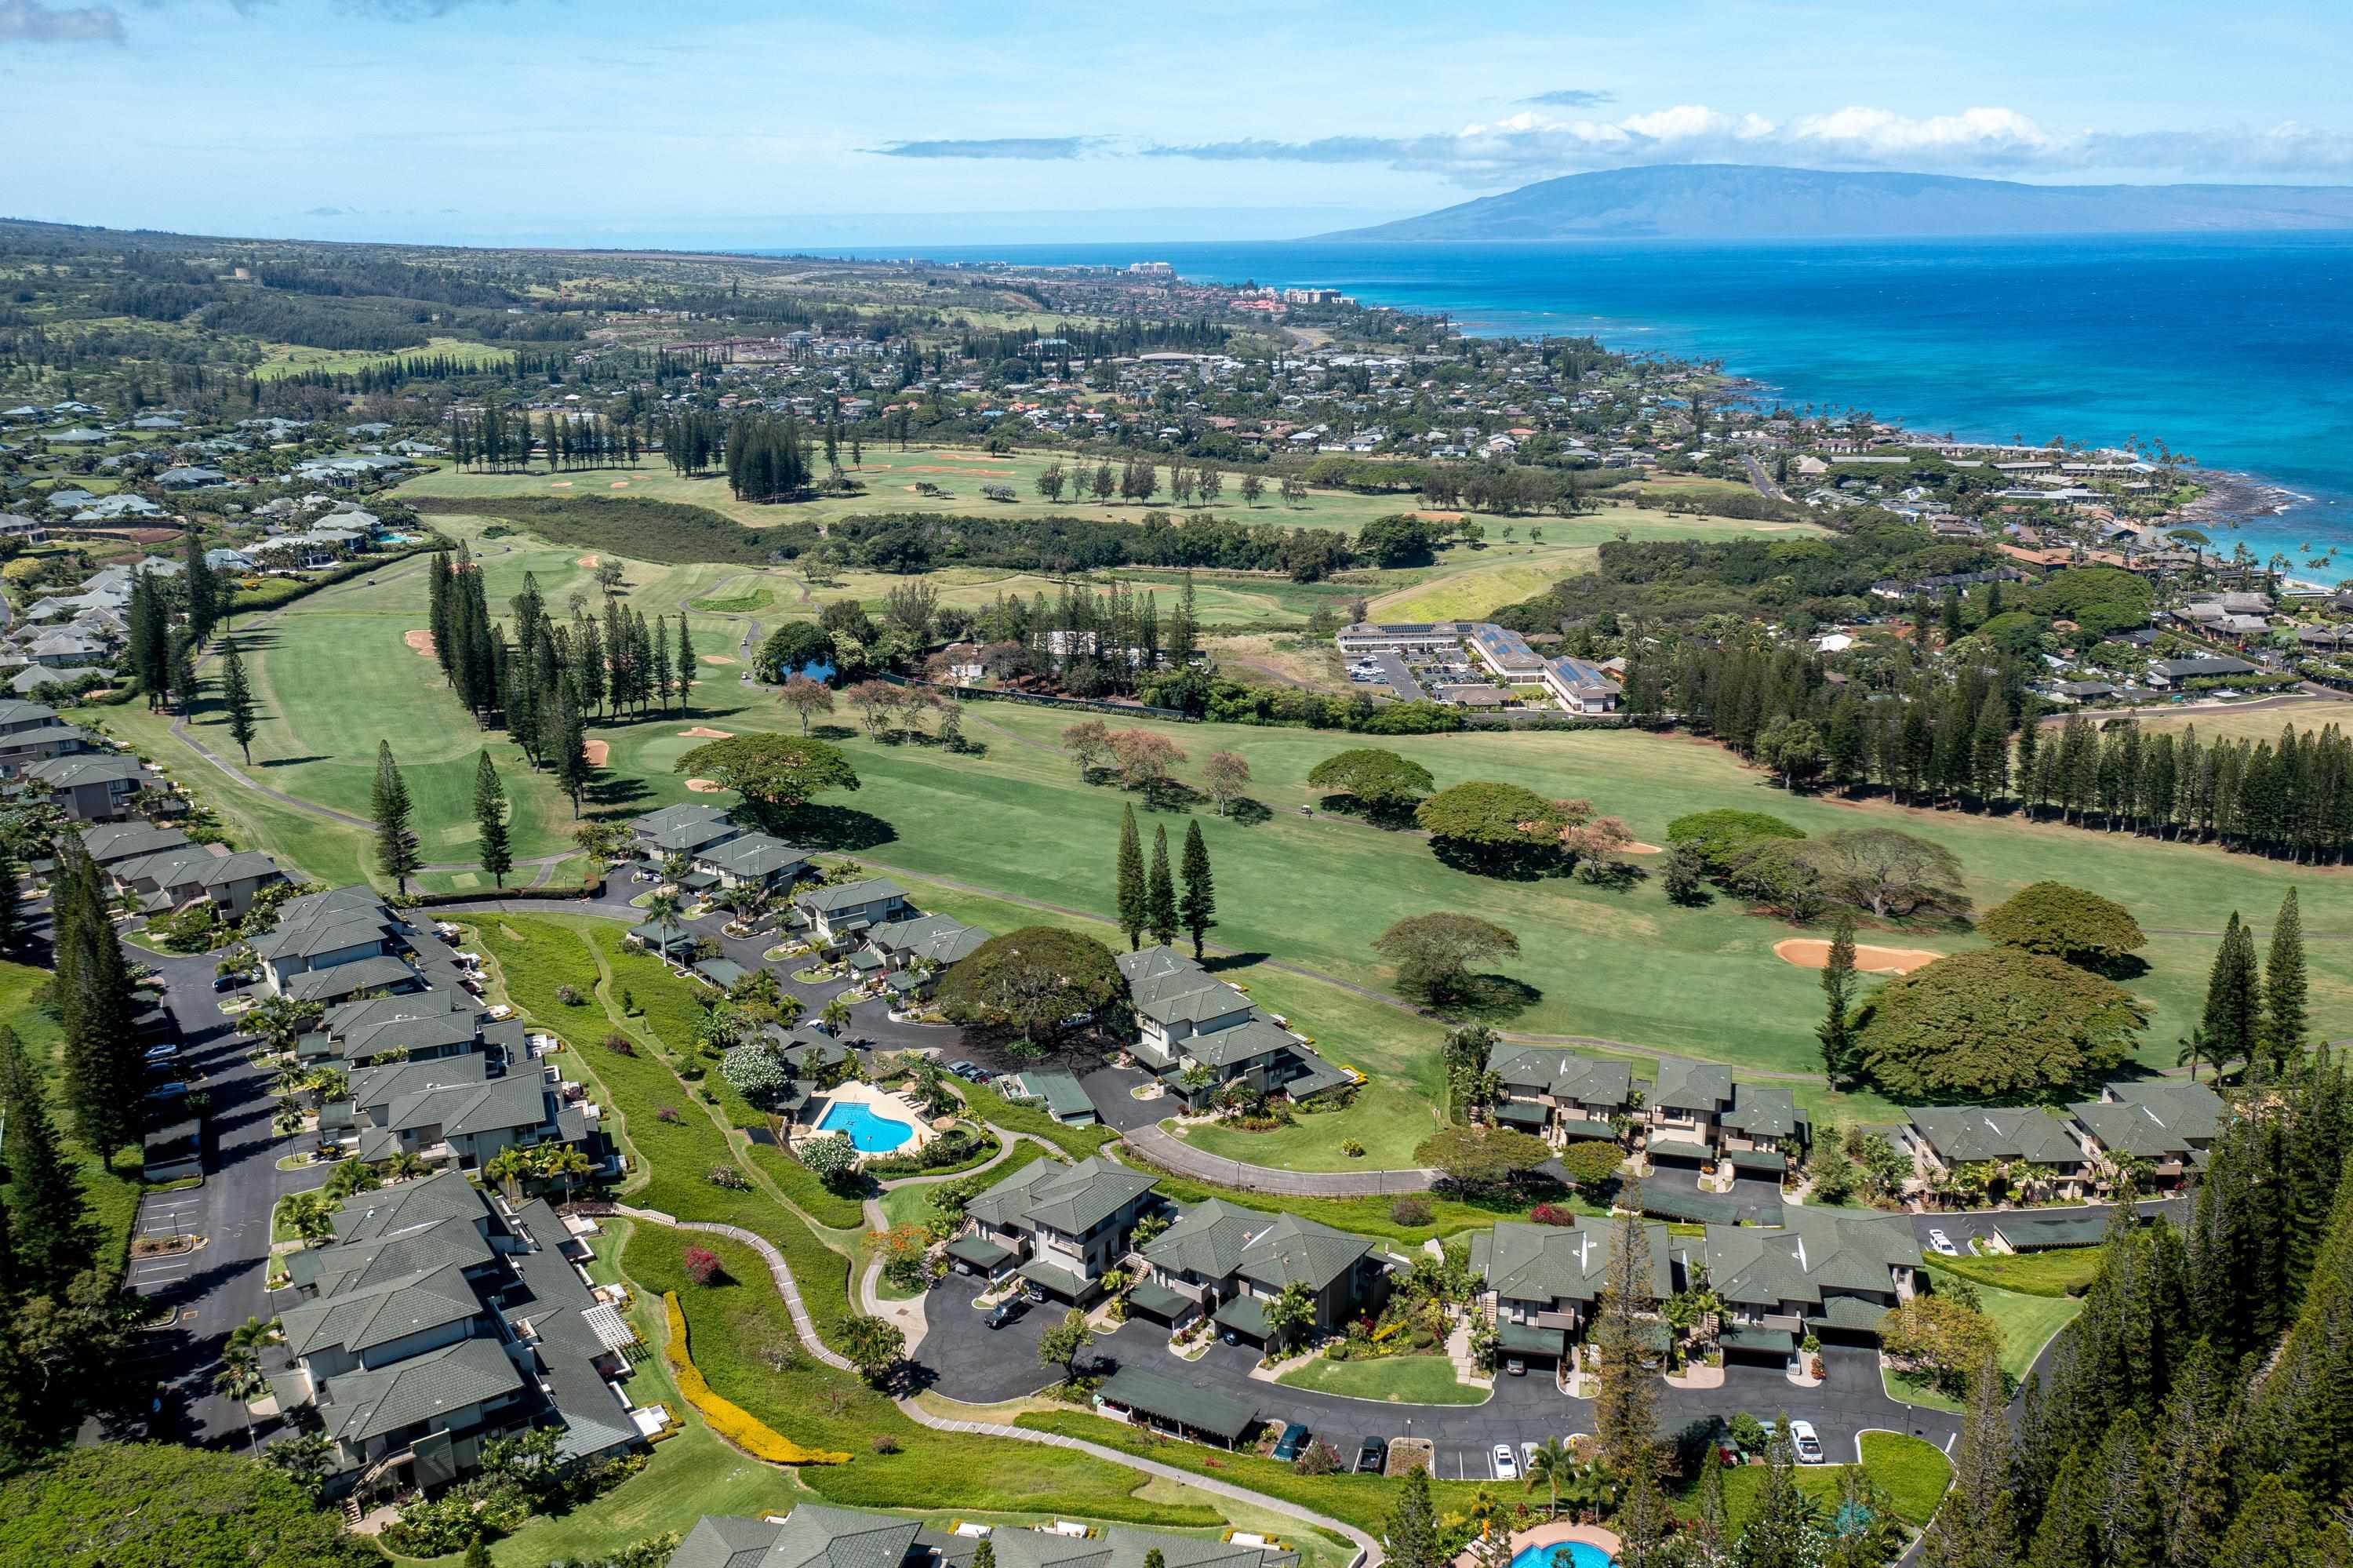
(872, 1134)
(1581, 1555)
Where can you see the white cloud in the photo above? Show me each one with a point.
(30, 22)
(1987, 139)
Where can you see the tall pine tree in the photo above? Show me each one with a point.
(48, 1220)
(1160, 892)
(2287, 1019)
(1198, 907)
(2234, 1002)
(395, 845)
(237, 698)
(1134, 888)
(1836, 1032)
(490, 821)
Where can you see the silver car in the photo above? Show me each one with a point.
(1507, 1464)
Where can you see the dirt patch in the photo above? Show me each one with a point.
(701, 732)
(717, 659)
(1808, 953)
(560, 485)
(705, 786)
(1639, 847)
(949, 468)
(419, 641)
(1439, 516)
(588, 561)
(598, 751)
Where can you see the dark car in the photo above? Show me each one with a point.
(1373, 1456)
(1287, 1447)
(1007, 1311)
(972, 1072)
(228, 982)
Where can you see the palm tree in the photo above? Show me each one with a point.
(836, 1011)
(789, 1009)
(663, 907)
(241, 1379)
(1551, 1463)
(287, 1118)
(561, 1162)
(313, 1215)
(2192, 1051)
(508, 1166)
(255, 1333)
(404, 1164)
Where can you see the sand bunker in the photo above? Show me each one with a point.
(701, 733)
(716, 658)
(597, 750)
(421, 641)
(1809, 954)
(618, 484)
(705, 786)
(1639, 847)
(588, 561)
(560, 485)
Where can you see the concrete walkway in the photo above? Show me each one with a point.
(1369, 1550)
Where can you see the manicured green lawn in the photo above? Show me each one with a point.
(1390, 1116)
(2027, 1324)
(1401, 1380)
(1620, 964)
(2052, 1273)
(1914, 1474)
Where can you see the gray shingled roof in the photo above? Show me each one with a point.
(1071, 1199)
(1963, 1134)
(1526, 1262)
(358, 1405)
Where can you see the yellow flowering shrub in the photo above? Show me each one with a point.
(731, 1421)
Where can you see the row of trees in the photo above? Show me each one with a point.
(1150, 901)
(1976, 739)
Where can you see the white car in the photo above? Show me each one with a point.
(1807, 1442)
(1527, 1459)
(1507, 1464)
(1943, 1243)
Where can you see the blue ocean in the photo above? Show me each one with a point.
(2237, 349)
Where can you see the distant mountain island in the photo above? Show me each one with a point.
(1736, 201)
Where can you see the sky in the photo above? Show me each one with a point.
(678, 124)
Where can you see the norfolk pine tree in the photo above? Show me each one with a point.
(1198, 906)
(396, 846)
(1134, 894)
(2287, 1019)
(2233, 1021)
(1836, 1032)
(1160, 896)
(50, 1226)
(685, 664)
(490, 821)
(12, 902)
(237, 698)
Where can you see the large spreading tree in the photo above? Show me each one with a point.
(1035, 982)
(2066, 923)
(776, 774)
(1996, 1024)
(1502, 830)
(1433, 952)
(1386, 785)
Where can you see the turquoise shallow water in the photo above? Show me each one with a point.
(868, 1133)
(2237, 349)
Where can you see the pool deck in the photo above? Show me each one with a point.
(1554, 1534)
(881, 1103)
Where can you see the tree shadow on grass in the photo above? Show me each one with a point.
(832, 732)
(1249, 813)
(610, 790)
(1533, 863)
(1224, 961)
(838, 828)
(290, 761)
(1489, 998)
